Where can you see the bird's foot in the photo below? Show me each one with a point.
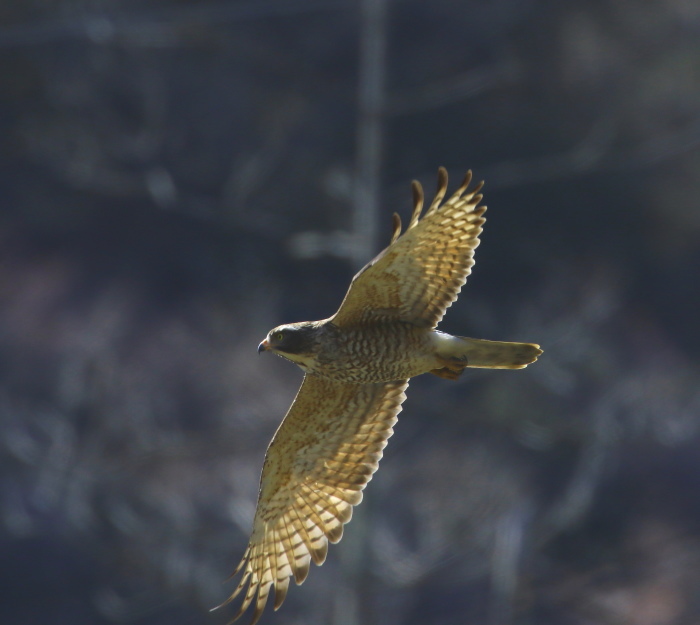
(446, 373)
(452, 370)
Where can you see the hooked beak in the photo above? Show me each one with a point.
(263, 347)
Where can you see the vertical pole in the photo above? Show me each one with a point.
(369, 129)
(349, 607)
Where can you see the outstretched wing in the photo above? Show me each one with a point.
(319, 461)
(418, 276)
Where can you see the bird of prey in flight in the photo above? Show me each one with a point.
(357, 365)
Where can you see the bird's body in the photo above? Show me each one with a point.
(357, 365)
(382, 351)
(363, 355)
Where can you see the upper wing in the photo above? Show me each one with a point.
(321, 457)
(422, 271)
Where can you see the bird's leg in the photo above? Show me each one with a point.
(446, 373)
(453, 368)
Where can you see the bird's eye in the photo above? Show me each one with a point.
(279, 336)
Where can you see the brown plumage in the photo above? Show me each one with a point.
(357, 366)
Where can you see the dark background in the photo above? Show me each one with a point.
(167, 170)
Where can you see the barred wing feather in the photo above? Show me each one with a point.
(418, 276)
(319, 461)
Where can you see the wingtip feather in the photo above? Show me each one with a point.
(281, 588)
(441, 190)
(396, 226)
(301, 570)
(261, 602)
(418, 199)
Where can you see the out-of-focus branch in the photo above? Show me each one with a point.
(454, 89)
(154, 27)
(595, 152)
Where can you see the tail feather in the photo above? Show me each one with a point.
(479, 353)
(499, 354)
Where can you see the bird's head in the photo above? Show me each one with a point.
(297, 342)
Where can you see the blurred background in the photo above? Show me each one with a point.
(178, 177)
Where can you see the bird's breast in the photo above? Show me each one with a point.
(374, 353)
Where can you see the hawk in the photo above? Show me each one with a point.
(357, 365)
